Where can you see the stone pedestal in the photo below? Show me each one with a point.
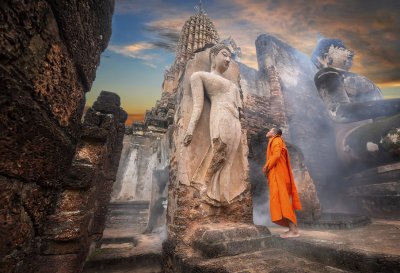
(219, 240)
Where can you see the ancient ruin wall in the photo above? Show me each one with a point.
(49, 54)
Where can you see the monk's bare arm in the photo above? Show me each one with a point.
(196, 84)
(276, 153)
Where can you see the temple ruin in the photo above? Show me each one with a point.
(84, 192)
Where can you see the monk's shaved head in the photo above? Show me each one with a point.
(274, 132)
(277, 131)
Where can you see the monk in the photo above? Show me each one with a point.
(283, 194)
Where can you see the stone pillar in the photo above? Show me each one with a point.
(81, 210)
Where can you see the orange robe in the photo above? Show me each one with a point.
(283, 196)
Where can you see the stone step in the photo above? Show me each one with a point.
(129, 204)
(391, 188)
(335, 221)
(351, 260)
(381, 174)
(379, 206)
(141, 254)
(126, 219)
(264, 261)
(126, 268)
(216, 241)
(135, 263)
(377, 200)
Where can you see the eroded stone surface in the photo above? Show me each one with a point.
(217, 240)
(81, 208)
(124, 248)
(186, 206)
(43, 85)
(267, 260)
(372, 248)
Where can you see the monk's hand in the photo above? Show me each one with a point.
(265, 171)
(188, 139)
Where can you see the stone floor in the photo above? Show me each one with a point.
(269, 260)
(372, 248)
(380, 237)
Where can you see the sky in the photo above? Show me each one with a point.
(145, 32)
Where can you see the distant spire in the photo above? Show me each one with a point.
(199, 7)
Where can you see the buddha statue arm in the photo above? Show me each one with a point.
(196, 84)
(240, 105)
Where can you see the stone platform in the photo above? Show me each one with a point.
(371, 248)
(335, 221)
(265, 261)
(218, 240)
(236, 248)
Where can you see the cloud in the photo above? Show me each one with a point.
(138, 51)
(165, 36)
(163, 30)
(370, 28)
(138, 6)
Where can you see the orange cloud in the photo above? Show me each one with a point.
(371, 29)
(136, 50)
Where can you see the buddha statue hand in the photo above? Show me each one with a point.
(240, 113)
(188, 139)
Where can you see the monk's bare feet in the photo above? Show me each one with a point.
(290, 234)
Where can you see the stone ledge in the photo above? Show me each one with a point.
(339, 257)
(178, 259)
(363, 249)
(219, 240)
(335, 221)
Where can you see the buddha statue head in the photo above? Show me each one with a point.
(332, 53)
(220, 58)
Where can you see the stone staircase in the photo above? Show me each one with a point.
(124, 247)
(376, 191)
